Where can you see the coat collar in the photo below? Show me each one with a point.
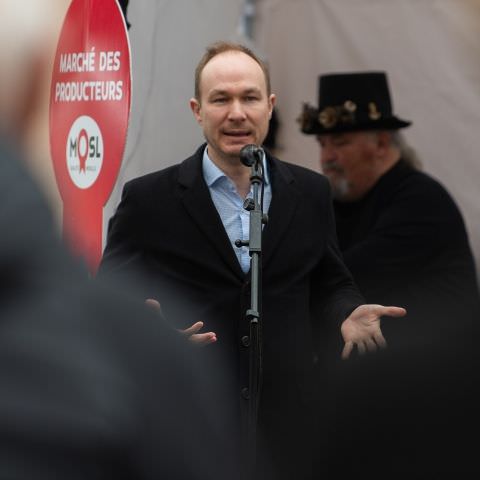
(199, 205)
(285, 197)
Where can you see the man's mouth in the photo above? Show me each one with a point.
(332, 168)
(237, 133)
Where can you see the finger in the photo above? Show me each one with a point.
(371, 345)
(390, 311)
(347, 350)
(361, 348)
(192, 329)
(202, 339)
(153, 304)
(380, 340)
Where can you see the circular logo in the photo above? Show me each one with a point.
(84, 151)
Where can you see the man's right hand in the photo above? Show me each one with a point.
(200, 339)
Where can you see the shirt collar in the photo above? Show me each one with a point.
(211, 173)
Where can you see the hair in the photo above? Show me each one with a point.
(221, 47)
(407, 152)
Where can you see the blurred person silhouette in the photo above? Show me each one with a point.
(401, 234)
(179, 226)
(411, 413)
(93, 385)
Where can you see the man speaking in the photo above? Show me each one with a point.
(179, 226)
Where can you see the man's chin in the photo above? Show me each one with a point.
(340, 189)
(233, 151)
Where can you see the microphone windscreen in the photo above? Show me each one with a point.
(249, 154)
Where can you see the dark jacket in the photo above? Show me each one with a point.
(406, 244)
(166, 224)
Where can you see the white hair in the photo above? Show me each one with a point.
(407, 152)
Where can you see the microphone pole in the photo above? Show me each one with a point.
(252, 156)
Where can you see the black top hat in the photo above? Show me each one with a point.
(350, 102)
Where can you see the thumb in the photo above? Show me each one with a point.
(153, 304)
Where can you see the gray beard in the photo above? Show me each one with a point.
(340, 190)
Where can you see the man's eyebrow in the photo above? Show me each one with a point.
(217, 92)
(248, 91)
(251, 90)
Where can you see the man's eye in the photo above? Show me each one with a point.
(219, 100)
(251, 98)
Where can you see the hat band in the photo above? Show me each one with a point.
(345, 114)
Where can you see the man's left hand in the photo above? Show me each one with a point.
(362, 328)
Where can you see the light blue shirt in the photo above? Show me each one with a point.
(229, 204)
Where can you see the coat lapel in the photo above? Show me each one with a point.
(199, 205)
(282, 208)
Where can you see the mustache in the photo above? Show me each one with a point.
(332, 166)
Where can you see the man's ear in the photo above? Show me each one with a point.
(271, 103)
(195, 107)
(384, 140)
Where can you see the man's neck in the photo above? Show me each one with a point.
(238, 173)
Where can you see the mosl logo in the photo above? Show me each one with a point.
(84, 152)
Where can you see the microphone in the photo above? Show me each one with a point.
(249, 154)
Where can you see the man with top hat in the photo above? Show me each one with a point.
(401, 234)
(404, 240)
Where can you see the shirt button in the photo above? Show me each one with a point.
(245, 393)
(246, 341)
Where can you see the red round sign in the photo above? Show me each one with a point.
(89, 110)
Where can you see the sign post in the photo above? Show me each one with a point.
(89, 109)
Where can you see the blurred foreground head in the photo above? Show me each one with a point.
(25, 40)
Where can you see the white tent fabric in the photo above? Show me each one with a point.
(431, 51)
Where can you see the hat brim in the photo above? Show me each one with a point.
(391, 123)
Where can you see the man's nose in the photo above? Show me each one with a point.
(237, 111)
(327, 154)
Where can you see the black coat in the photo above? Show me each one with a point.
(167, 225)
(406, 244)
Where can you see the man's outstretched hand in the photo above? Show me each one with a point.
(200, 339)
(191, 332)
(362, 328)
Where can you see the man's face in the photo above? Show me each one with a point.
(234, 108)
(350, 162)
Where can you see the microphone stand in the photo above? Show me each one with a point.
(253, 314)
